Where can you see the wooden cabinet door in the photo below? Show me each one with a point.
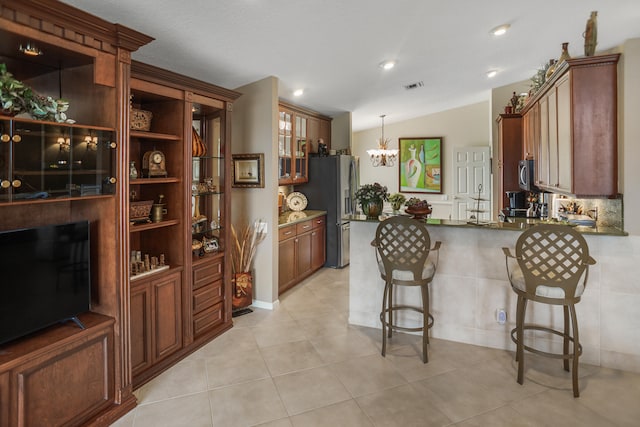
(325, 132)
(303, 254)
(167, 315)
(313, 133)
(140, 329)
(286, 263)
(542, 163)
(552, 106)
(510, 153)
(318, 247)
(565, 144)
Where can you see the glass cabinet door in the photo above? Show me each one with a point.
(49, 161)
(207, 184)
(285, 137)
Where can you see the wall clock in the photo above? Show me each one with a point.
(154, 164)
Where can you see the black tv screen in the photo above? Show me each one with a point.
(45, 277)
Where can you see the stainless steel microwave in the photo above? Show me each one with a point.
(526, 175)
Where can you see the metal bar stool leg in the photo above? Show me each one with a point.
(576, 350)
(383, 317)
(425, 322)
(565, 343)
(390, 306)
(522, 307)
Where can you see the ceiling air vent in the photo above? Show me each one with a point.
(415, 85)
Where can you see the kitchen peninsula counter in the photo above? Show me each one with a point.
(293, 217)
(471, 283)
(520, 225)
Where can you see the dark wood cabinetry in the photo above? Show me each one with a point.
(60, 375)
(301, 251)
(156, 319)
(509, 154)
(140, 324)
(575, 134)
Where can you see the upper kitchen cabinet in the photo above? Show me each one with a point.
(509, 154)
(577, 141)
(299, 133)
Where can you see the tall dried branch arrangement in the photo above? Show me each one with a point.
(245, 242)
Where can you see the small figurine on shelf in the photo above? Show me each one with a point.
(133, 172)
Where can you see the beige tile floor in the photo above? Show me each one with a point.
(303, 365)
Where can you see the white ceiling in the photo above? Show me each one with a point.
(332, 48)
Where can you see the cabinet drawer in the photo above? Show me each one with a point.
(207, 319)
(319, 222)
(206, 296)
(303, 227)
(207, 273)
(286, 232)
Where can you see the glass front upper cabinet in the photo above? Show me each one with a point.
(42, 160)
(292, 148)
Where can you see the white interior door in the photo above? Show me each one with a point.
(472, 168)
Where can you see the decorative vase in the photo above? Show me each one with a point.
(591, 35)
(551, 68)
(396, 206)
(413, 169)
(242, 290)
(372, 209)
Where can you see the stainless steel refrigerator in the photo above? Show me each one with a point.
(333, 181)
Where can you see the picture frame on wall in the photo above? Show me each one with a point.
(421, 165)
(248, 170)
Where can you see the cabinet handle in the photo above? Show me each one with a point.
(16, 183)
(286, 233)
(5, 183)
(112, 180)
(113, 145)
(16, 138)
(306, 226)
(5, 138)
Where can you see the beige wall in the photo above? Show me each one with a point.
(255, 118)
(464, 126)
(341, 131)
(629, 134)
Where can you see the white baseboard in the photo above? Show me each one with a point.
(265, 305)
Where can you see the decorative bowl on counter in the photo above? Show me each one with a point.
(418, 212)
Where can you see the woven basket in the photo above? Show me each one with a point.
(140, 119)
(140, 210)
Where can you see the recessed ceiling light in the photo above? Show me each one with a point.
(500, 30)
(492, 73)
(298, 92)
(387, 65)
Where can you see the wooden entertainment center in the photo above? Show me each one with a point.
(139, 324)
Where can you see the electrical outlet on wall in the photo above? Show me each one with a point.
(501, 316)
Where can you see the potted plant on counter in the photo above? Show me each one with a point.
(418, 208)
(371, 198)
(396, 201)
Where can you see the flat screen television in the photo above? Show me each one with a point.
(45, 277)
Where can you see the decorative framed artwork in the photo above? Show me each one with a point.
(248, 170)
(420, 165)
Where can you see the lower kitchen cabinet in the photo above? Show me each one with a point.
(301, 251)
(156, 320)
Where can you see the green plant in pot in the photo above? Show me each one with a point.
(371, 198)
(397, 200)
(18, 98)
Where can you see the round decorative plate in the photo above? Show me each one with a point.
(296, 201)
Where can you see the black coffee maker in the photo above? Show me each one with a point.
(517, 203)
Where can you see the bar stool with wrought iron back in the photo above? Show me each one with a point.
(552, 268)
(402, 247)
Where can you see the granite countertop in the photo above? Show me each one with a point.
(518, 226)
(292, 217)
